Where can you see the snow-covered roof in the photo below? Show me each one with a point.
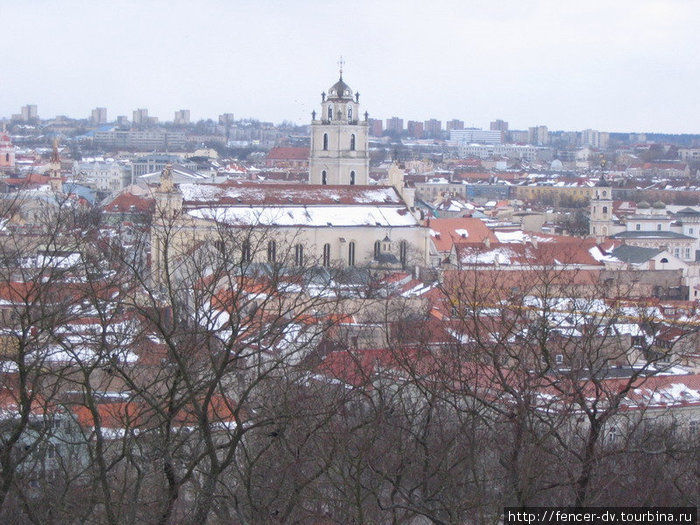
(311, 216)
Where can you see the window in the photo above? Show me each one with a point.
(637, 227)
(245, 252)
(325, 142)
(350, 113)
(612, 434)
(326, 255)
(658, 227)
(694, 426)
(271, 251)
(352, 142)
(7, 157)
(351, 254)
(403, 252)
(605, 210)
(560, 359)
(298, 255)
(690, 231)
(664, 260)
(330, 113)
(352, 178)
(324, 178)
(687, 253)
(677, 252)
(377, 249)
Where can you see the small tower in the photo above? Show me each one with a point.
(601, 210)
(168, 198)
(55, 180)
(7, 151)
(339, 150)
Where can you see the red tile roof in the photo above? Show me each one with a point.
(288, 154)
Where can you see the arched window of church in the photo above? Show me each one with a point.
(403, 252)
(605, 193)
(324, 178)
(299, 254)
(352, 142)
(325, 142)
(326, 255)
(349, 112)
(352, 178)
(271, 251)
(377, 249)
(605, 210)
(351, 254)
(330, 113)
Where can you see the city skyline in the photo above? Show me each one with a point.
(626, 67)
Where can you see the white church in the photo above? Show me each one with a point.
(337, 220)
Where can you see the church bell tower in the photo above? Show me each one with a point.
(339, 151)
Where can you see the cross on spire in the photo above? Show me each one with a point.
(341, 63)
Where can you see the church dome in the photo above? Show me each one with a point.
(340, 90)
(643, 205)
(659, 205)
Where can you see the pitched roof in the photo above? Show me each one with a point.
(634, 254)
(288, 154)
(235, 193)
(649, 235)
(463, 230)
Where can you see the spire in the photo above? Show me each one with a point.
(341, 63)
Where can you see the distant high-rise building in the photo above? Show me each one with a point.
(454, 124)
(98, 116)
(122, 120)
(182, 117)
(477, 136)
(394, 124)
(376, 127)
(415, 129)
(538, 135)
(499, 125)
(26, 113)
(226, 119)
(433, 128)
(140, 116)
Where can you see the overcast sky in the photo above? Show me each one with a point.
(611, 65)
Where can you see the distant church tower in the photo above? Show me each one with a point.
(339, 152)
(7, 151)
(601, 210)
(55, 180)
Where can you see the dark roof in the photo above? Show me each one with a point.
(688, 211)
(649, 235)
(340, 90)
(634, 254)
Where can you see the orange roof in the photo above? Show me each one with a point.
(452, 231)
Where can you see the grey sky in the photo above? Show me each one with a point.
(613, 65)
